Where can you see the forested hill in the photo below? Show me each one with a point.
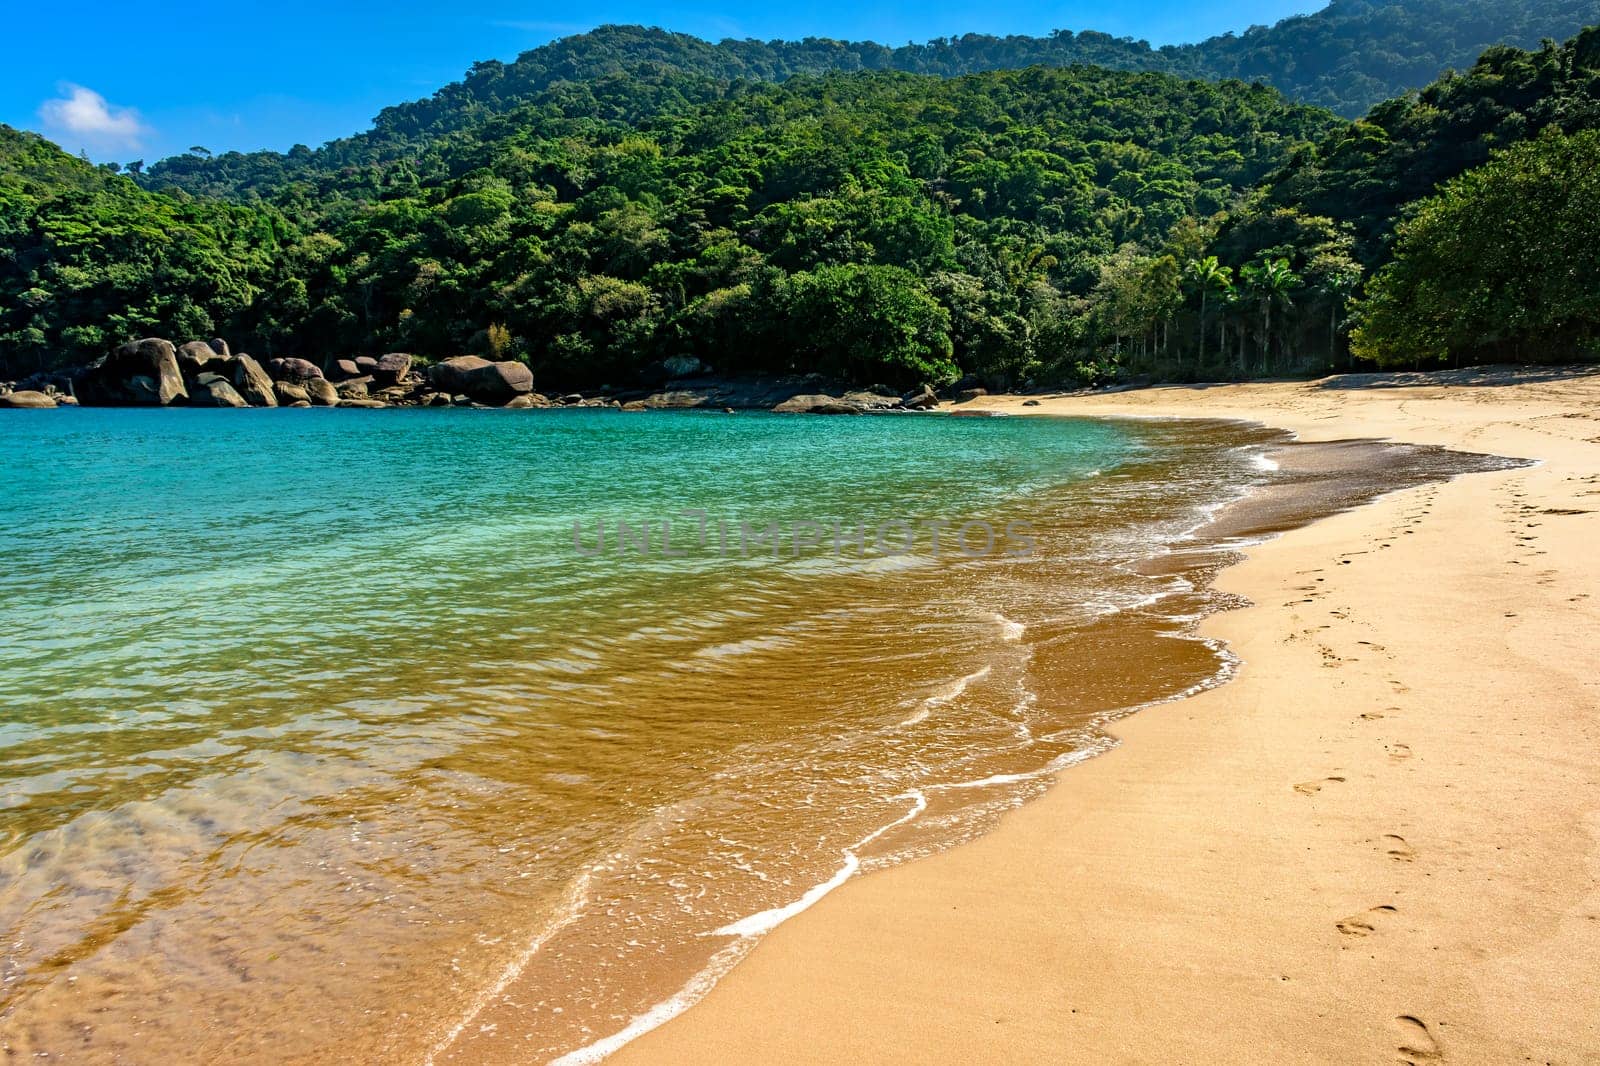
(1346, 57)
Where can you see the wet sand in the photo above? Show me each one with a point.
(1380, 843)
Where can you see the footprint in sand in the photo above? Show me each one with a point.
(1311, 788)
(1363, 924)
(1417, 1042)
(1397, 849)
(1371, 716)
(1399, 752)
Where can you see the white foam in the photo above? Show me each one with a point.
(1010, 631)
(747, 933)
(1264, 462)
(944, 696)
(571, 907)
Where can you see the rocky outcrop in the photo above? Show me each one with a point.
(253, 383)
(920, 399)
(27, 398)
(215, 391)
(198, 356)
(290, 394)
(391, 369)
(143, 373)
(341, 369)
(322, 393)
(481, 380)
(354, 389)
(817, 404)
(296, 371)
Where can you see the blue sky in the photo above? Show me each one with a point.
(125, 81)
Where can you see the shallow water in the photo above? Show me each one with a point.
(320, 734)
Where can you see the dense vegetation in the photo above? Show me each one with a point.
(1043, 224)
(1347, 57)
(1473, 276)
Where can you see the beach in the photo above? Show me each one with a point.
(1379, 843)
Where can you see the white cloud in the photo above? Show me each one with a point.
(85, 115)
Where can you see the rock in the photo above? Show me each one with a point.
(519, 402)
(571, 399)
(393, 394)
(290, 395)
(872, 401)
(391, 368)
(481, 380)
(636, 405)
(461, 401)
(366, 364)
(340, 369)
(156, 361)
(208, 377)
(296, 371)
(27, 398)
(197, 356)
(1030, 403)
(215, 393)
(920, 399)
(220, 346)
(299, 403)
(675, 398)
(440, 399)
(362, 401)
(355, 389)
(322, 393)
(253, 383)
(817, 404)
(967, 395)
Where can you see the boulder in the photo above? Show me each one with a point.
(520, 402)
(872, 401)
(154, 360)
(197, 356)
(290, 395)
(440, 399)
(207, 377)
(27, 398)
(354, 389)
(920, 399)
(361, 401)
(299, 403)
(322, 393)
(392, 368)
(366, 364)
(253, 383)
(295, 371)
(817, 404)
(340, 369)
(1030, 403)
(967, 395)
(215, 393)
(481, 380)
(571, 399)
(220, 346)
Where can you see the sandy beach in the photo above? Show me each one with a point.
(1379, 844)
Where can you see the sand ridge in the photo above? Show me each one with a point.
(1380, 843)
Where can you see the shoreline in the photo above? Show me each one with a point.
(874, 969)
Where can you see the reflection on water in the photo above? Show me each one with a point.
(319, 738)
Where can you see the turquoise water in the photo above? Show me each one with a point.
(322, 733)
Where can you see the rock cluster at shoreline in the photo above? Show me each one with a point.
(154, 372)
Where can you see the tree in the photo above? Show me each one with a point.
(1209, 276)
(1503, 263)
(1270, 281)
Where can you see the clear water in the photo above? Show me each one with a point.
(321, 735)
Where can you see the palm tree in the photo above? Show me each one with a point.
(1211, 276)
(1270, 281)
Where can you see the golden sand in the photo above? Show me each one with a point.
(1381, 843)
